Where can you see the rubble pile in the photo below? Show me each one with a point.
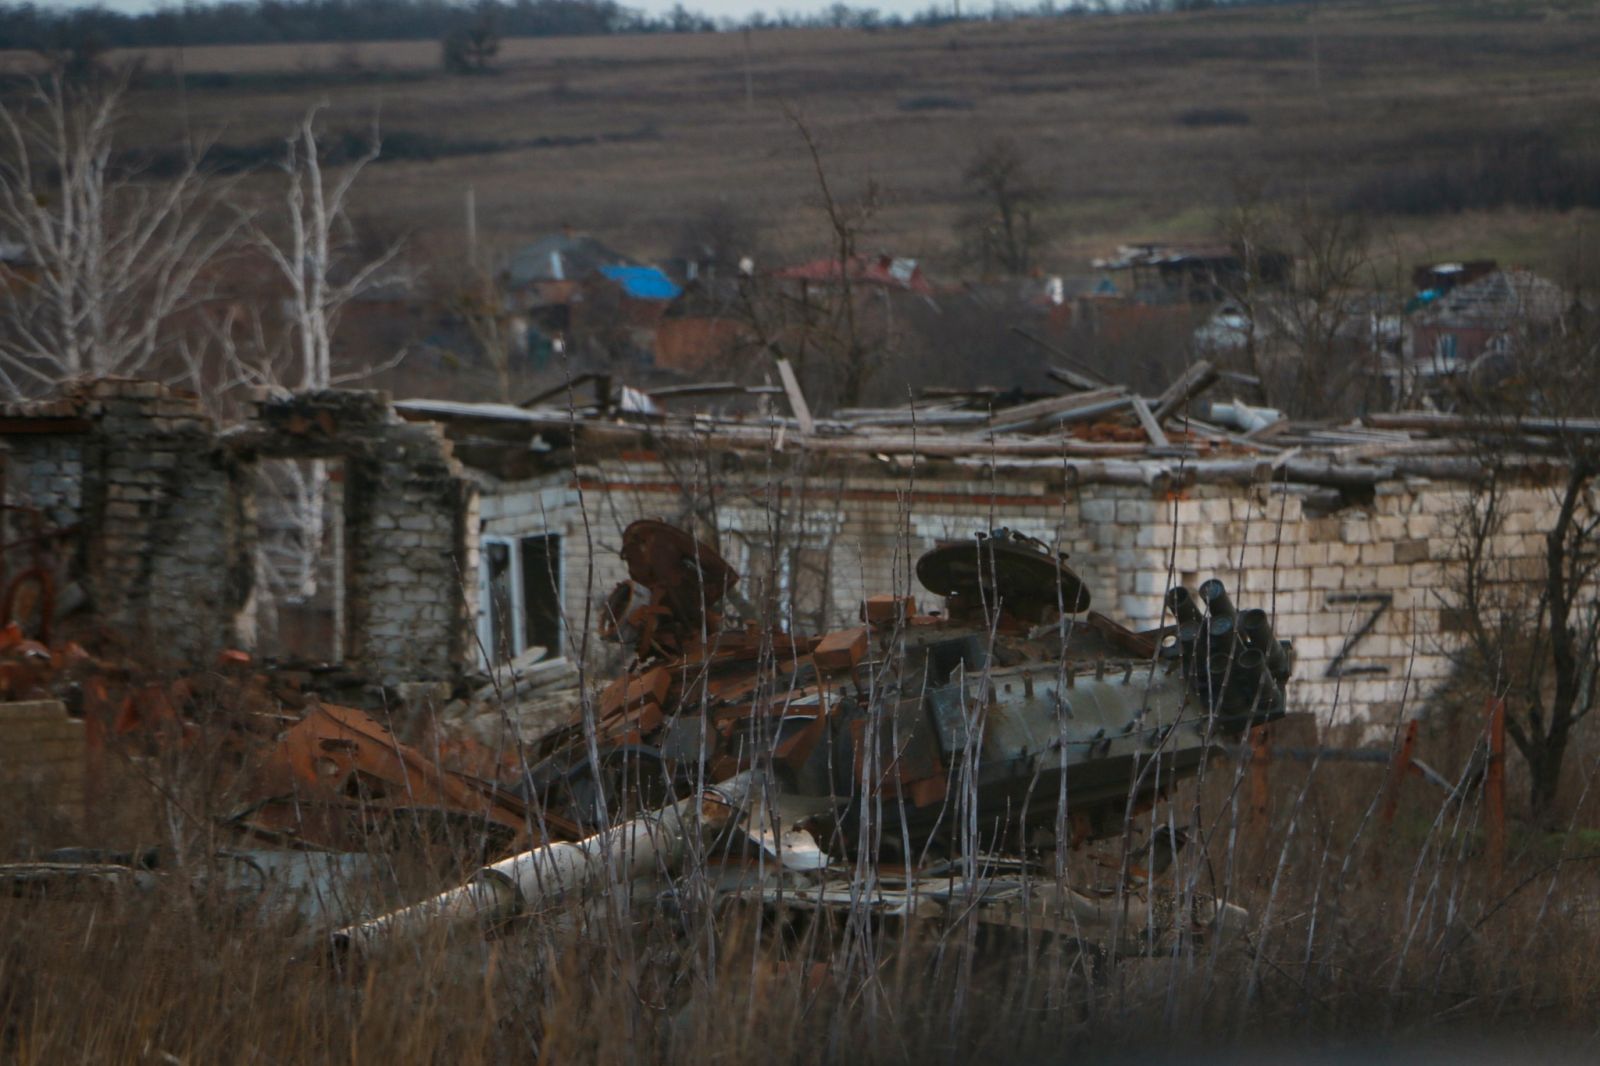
(777, 749)
(485, 730)
(760, 750)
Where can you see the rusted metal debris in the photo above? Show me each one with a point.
(314, 774)
(957, 748)
(912, 700)
(340, 781)
(960, 747)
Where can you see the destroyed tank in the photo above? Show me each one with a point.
(1010, 719)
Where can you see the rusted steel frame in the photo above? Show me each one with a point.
(1398, 769)
(46, 602)
(651, 843)
(1260, 767)
(350, 741)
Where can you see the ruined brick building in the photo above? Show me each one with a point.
(481, 528)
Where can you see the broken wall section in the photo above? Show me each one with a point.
(121, 497)
(140, 516)
(409, 536)
(42, 771)
(1363, 591)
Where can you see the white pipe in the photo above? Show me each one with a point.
(555, 873)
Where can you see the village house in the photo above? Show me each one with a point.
(1456, 326)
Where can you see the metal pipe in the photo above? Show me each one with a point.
(1218, 667)
(560, 871)
(1188, 638)
(1251, 689)
(1255, 626)
(1185, 606)
(1223, 639)
(1214, 594)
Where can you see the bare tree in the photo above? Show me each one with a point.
(835, 330)
(1532, 633)
(315, 259)
(323, 268)
(479, 300)
(471, 49)
(113, 261)
(1310, 297)
(1003, 226)
(718, 235)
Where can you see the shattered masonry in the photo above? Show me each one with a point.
(153, 513)
(154, 505)
(1325, 559)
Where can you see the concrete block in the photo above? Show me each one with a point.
(1356, 531)
(1380, 553)
(1360, 578)
(1310, 554)
(1344, 554)
(1393, 577)
(1411, 551)
(1327, 577)
(1422, 526)
(1294, 579)
(1389, 527)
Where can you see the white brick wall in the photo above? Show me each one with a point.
(1127, 543)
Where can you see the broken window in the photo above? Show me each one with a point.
(811, 604)
(541, 591)
(300, 564)
(520, 596)
(790, 585)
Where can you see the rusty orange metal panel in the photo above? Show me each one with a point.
(841, 650)
(1398, 771)
(630, 693)
(887, 610)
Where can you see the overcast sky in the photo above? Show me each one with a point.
(719, 8)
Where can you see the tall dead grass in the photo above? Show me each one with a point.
(1359, 930)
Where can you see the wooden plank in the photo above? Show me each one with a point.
(797, 399)
(1152, 428)
(1040, 414)
(1200, 376)
(1429, 421)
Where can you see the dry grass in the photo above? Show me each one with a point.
(1099, 102)
(1360, 933)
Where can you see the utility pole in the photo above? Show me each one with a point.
(1316, 50)
(749, 83)
(472, 226)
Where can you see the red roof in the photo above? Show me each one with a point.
(882, 270)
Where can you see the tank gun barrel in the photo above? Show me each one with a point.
(531, 880)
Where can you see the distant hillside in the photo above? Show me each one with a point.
(1460, 129)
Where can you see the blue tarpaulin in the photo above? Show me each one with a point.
(642, 282)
